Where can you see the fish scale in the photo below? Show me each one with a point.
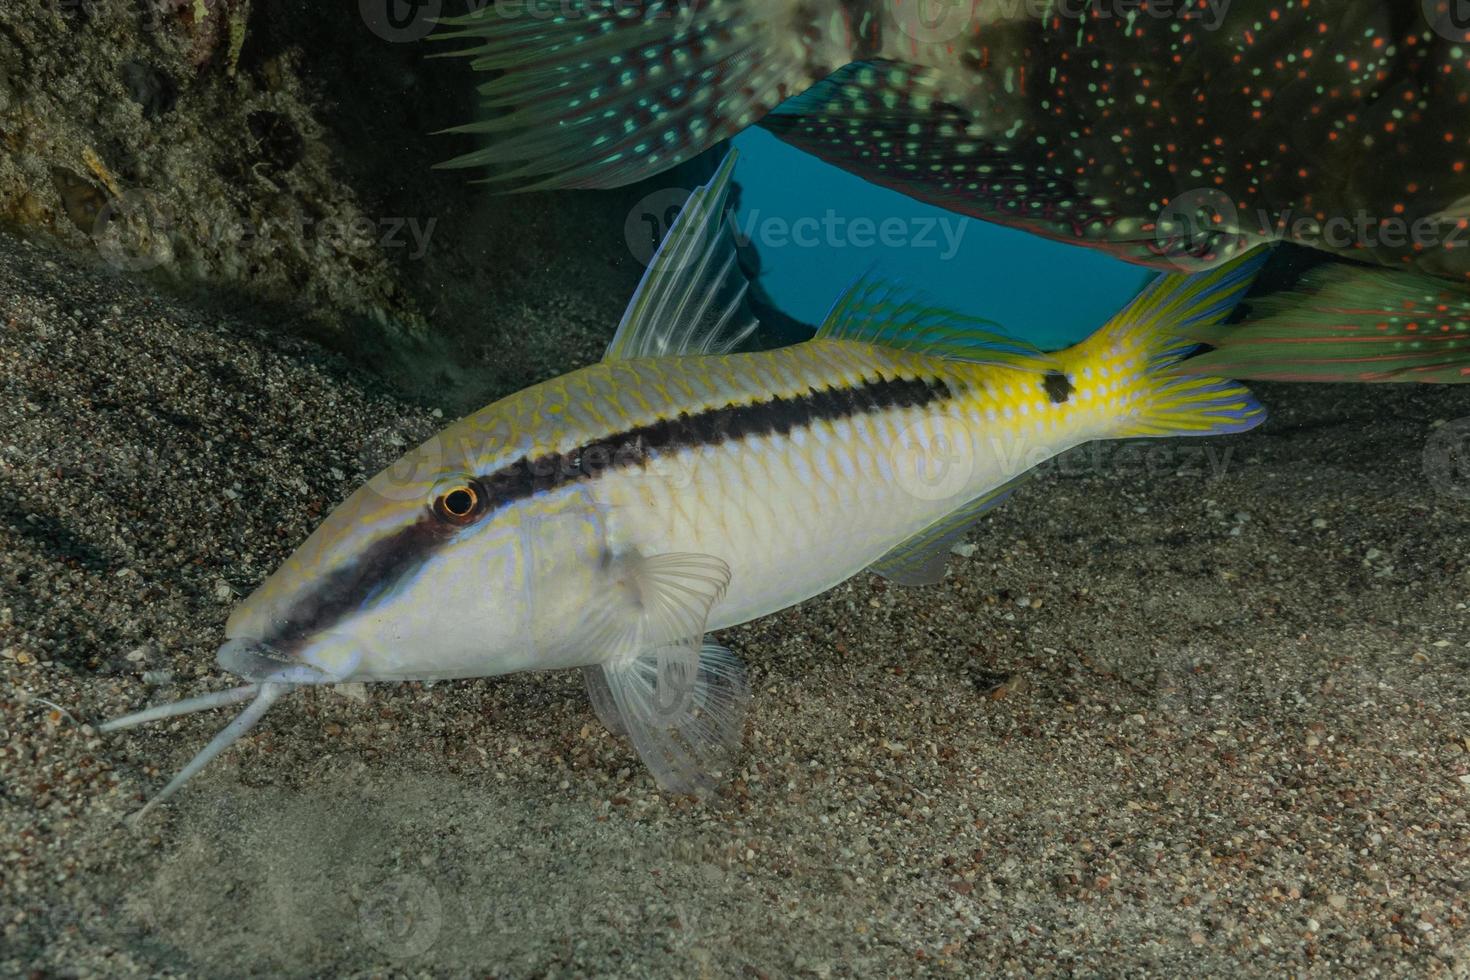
(826, 498)
(609, 519)
(819, 500)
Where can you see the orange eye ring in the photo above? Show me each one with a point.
(458, 504)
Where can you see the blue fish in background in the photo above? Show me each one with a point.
(1173, 135)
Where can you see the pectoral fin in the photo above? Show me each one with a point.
(680, 699)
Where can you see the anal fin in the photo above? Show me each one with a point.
(920, 560)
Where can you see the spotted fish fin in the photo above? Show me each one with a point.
(904, 126)
(921, 559)
(1346, 323)
(680, 699)
(878, 311)
(603, 95)
(692, 299)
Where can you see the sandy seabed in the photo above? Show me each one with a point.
(1190, 707)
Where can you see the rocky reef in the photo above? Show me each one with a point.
(278, 156)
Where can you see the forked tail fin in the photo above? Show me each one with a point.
(1128, 367)
(606, 93)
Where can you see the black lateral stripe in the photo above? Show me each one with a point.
(775, 416)
(351, 587)
(389, 561)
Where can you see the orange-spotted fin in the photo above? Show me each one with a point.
(1142, 345)
(602, 95)
(911, 128)
(1346, 323)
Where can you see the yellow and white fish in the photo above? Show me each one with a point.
(609, 519)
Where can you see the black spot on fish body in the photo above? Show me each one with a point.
(1058, 387)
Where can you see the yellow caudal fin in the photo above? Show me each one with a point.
(1129, 363)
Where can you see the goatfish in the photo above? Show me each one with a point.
(1174, 135)
(610, 519)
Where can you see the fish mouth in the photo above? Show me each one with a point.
(259, 662)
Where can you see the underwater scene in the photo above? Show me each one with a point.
(734, 488)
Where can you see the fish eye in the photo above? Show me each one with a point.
(458, 503)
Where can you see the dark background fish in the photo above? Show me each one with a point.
(1154, 131)
(1168, 134)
